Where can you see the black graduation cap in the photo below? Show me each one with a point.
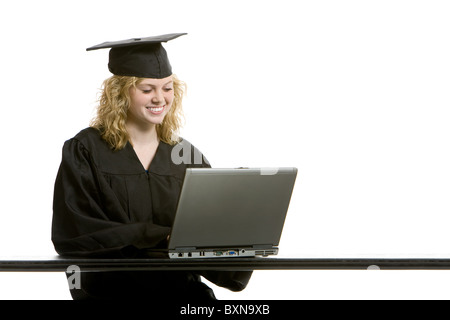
(139, 57)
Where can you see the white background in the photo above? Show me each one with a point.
(355, 94)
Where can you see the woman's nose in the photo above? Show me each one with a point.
(158, 96)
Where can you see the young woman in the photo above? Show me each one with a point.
(119, 180)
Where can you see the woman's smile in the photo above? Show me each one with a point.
(156, 109)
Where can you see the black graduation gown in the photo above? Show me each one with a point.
(107, 205)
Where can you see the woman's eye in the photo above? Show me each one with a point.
(168, 89)
(146, 91)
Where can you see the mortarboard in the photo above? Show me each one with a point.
(139, 57)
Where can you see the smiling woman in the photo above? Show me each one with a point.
(117, 186)
(155, 95)
(116, 99)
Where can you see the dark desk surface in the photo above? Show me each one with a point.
(56, 263)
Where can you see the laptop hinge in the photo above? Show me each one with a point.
(185, 249)
(262, 246)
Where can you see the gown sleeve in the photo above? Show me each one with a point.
(81, 226)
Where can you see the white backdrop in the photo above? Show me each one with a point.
(355, 94)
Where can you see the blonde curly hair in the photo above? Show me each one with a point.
(113, 108)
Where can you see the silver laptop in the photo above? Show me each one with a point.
(231, 212)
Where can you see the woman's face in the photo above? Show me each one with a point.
(150, 101)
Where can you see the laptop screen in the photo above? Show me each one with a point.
(224, 208)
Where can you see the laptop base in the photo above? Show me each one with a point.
(218, 253)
